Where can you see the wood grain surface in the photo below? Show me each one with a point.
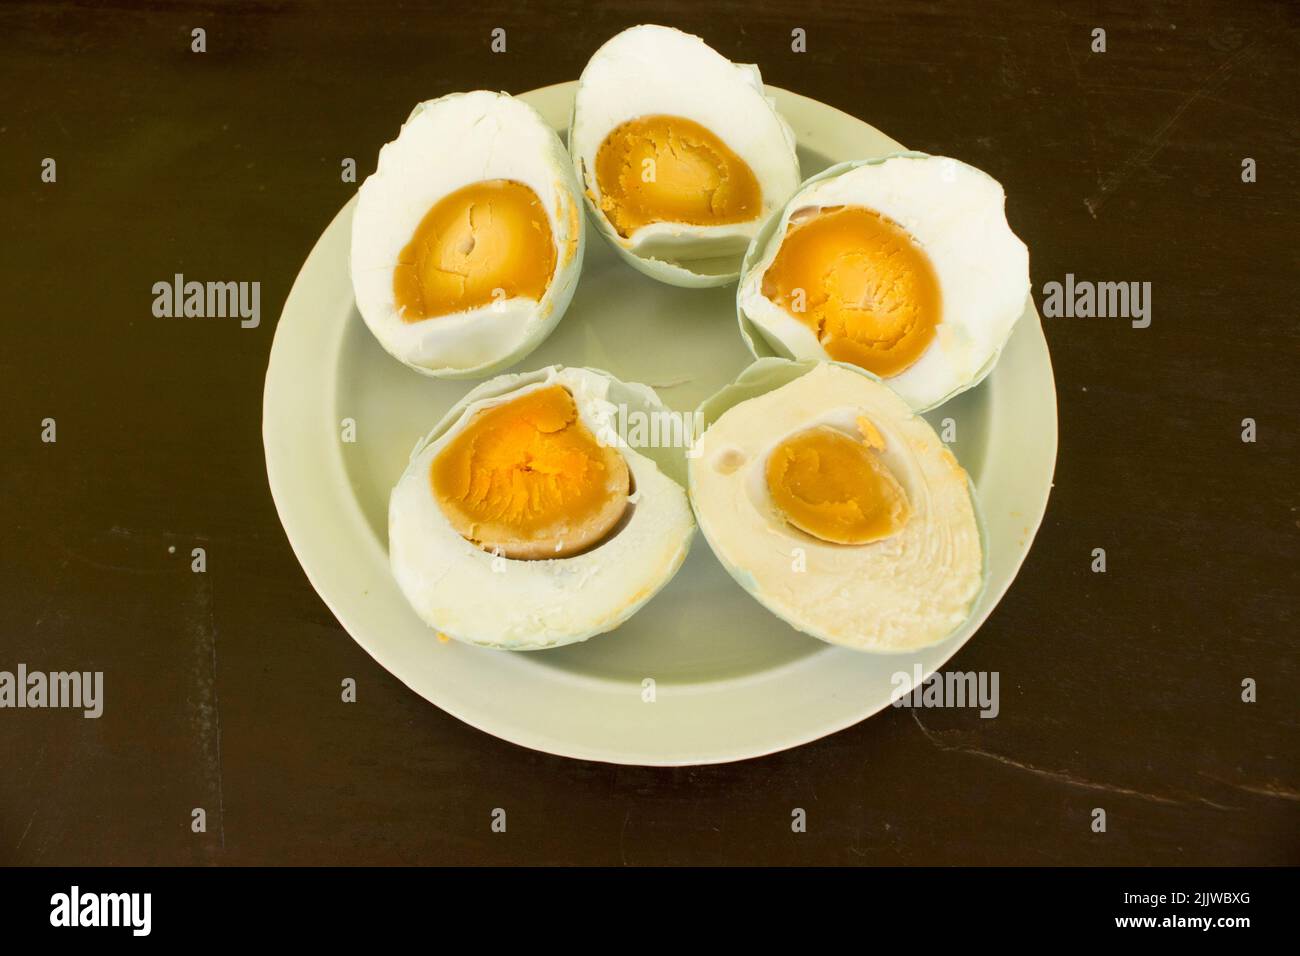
(1120, 690)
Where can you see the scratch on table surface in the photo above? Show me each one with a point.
(1061, 776)
(1087, 125)
(206, 715)
(55, 590)
(1157, 142)
(26, 829)
(29, 786)
(1275, 791)
(216, 701)
(117, 531)
(1111, 88)
(55, 785)
(71, 553)
(622, 835)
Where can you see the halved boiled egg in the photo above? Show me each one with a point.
(903, 266)
(524, 520)
(680, 153)
(467, 240)
(837, 507)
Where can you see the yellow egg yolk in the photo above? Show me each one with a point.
(527, 479)
(485, 242)
(671, 169)
(836, 488)
(860, 282)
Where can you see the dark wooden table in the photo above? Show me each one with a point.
(1120, 691)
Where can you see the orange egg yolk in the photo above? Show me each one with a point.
(485, 242)
(671, 169)
(861, 283)
(836, 487)
(527, 479)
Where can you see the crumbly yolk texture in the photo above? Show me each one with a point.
(836, 487)
(527, 479)
(861, 283)
(483, 243)
(671, 169)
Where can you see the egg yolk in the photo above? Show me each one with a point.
(485, 242)
(527, 479)
(835, 487)
(861, 283)
(671, 169)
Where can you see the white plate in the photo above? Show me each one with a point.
(730, 680)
